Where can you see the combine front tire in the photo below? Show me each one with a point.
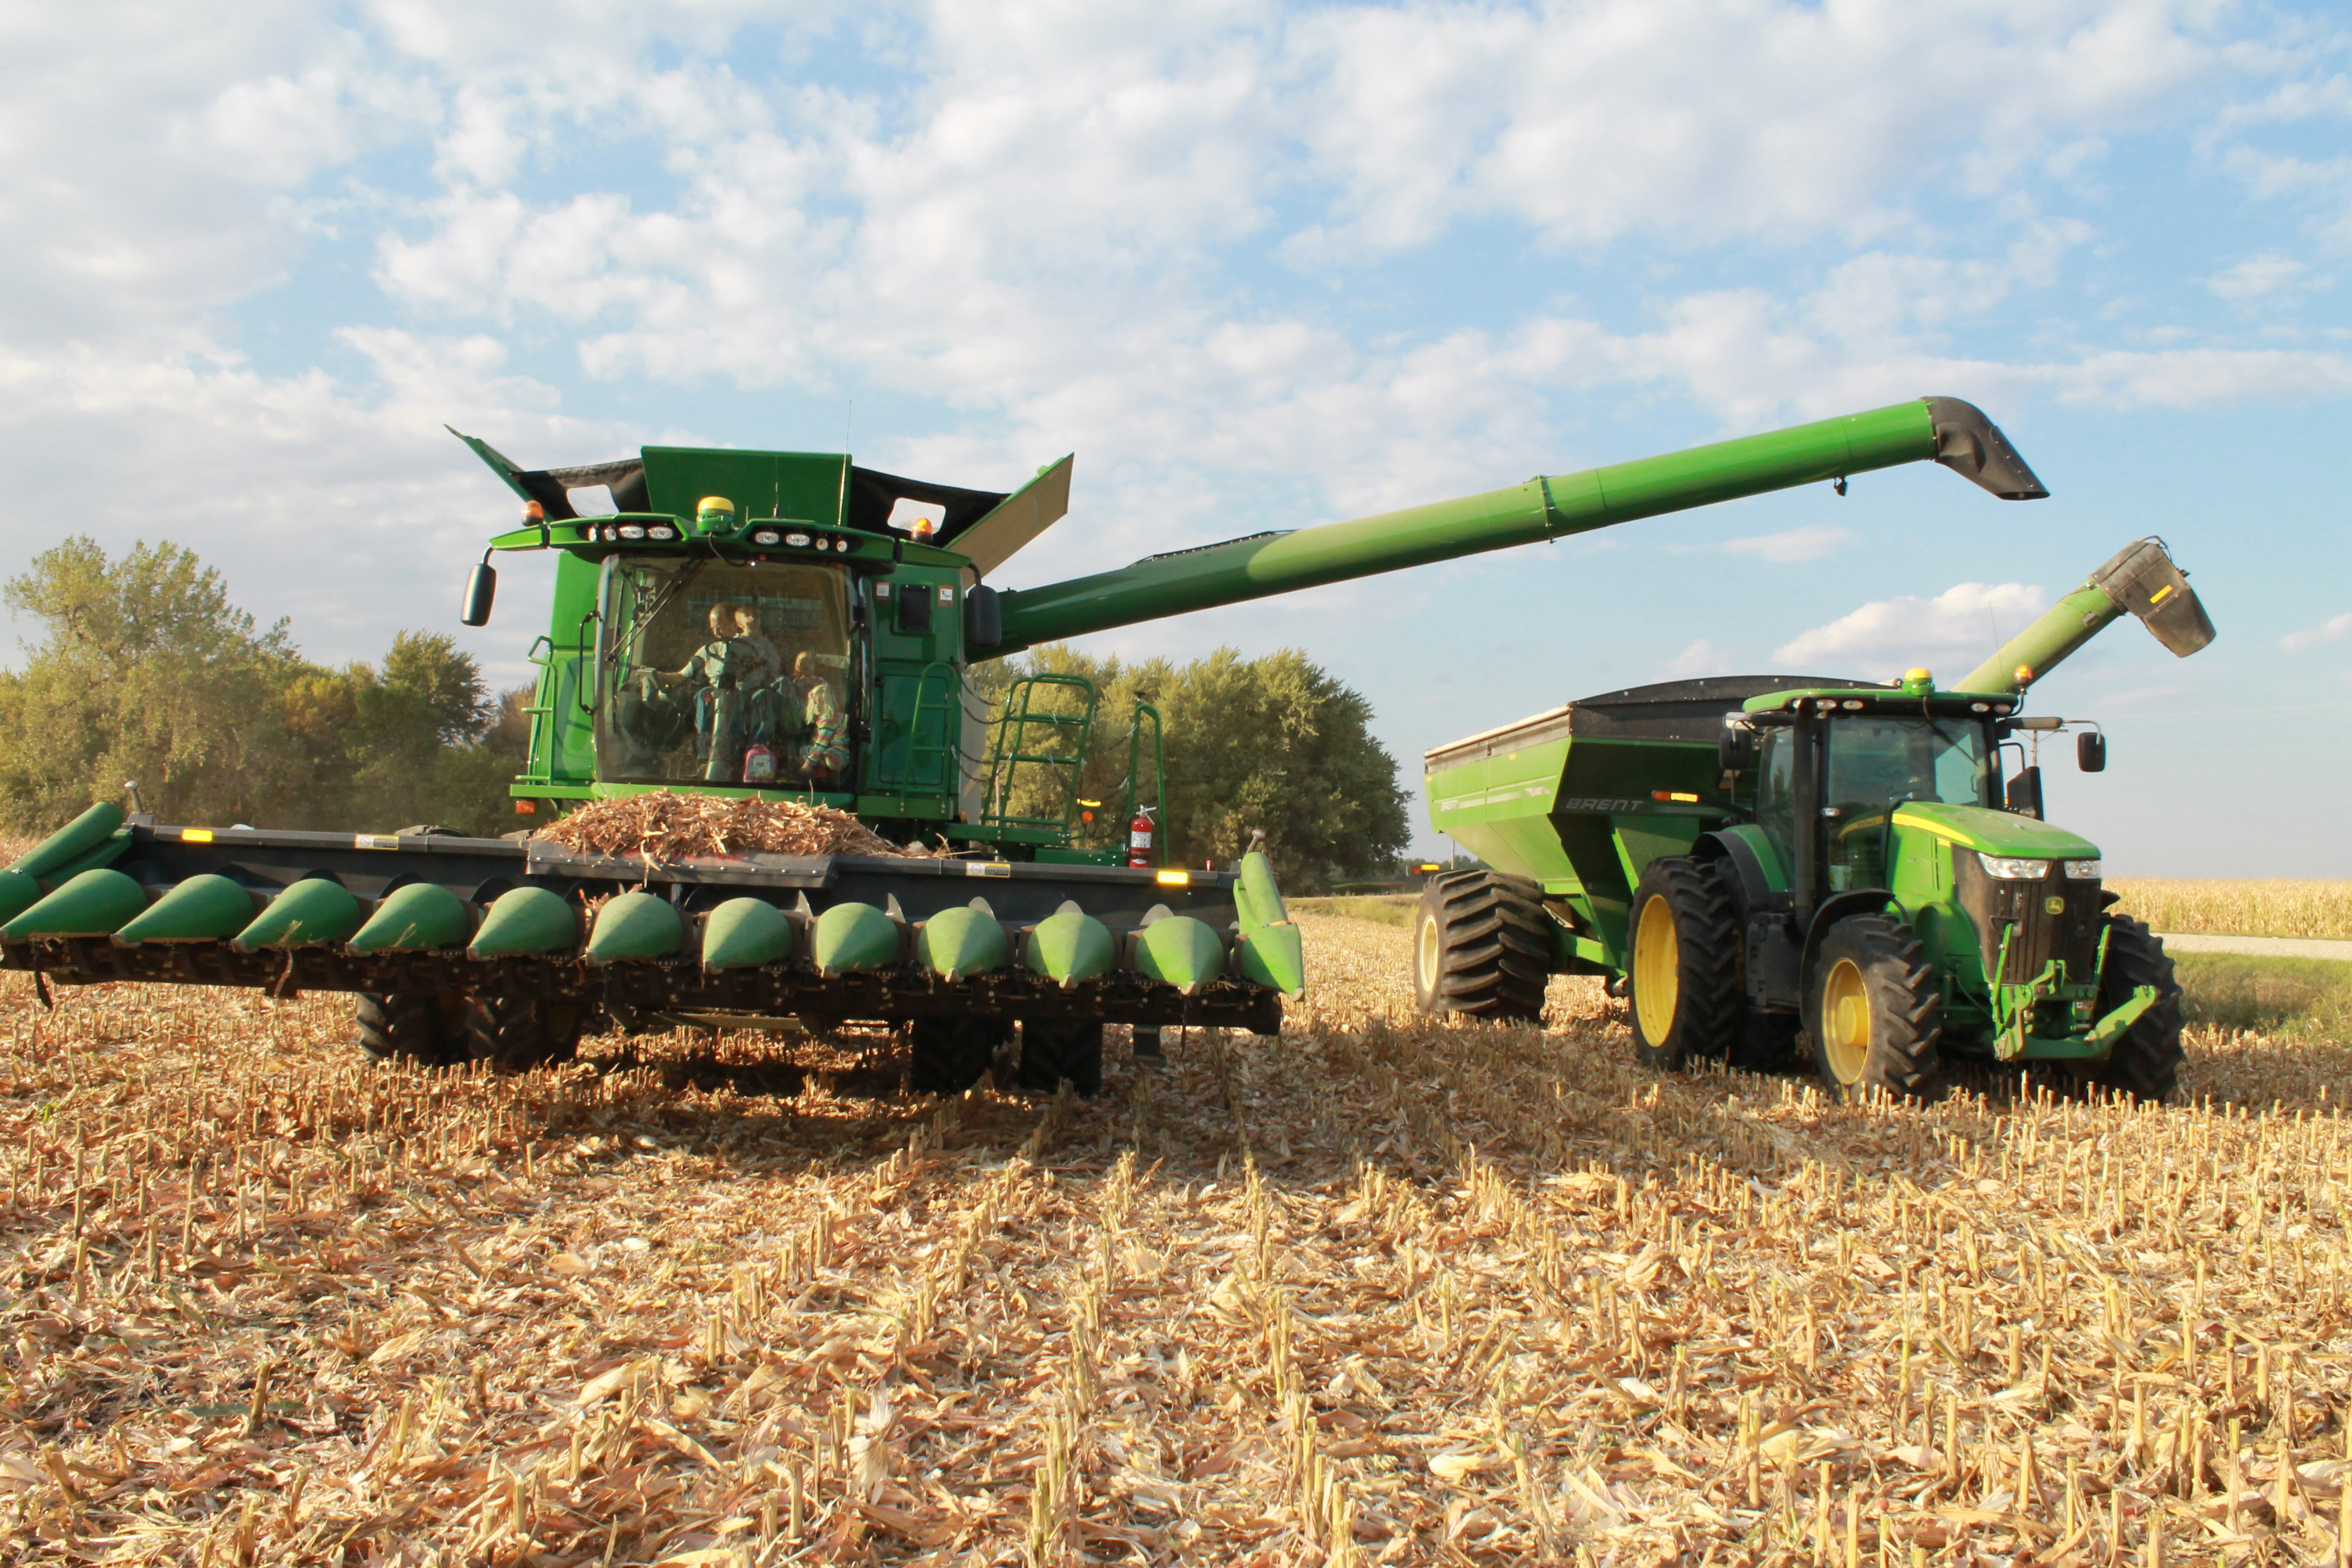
(413, 1026)
(515, 1034)
(950, 1054)
(1684, 968)
(2146, 1063)
(1050, 1054)
(1877, 1014)
(1481, 944)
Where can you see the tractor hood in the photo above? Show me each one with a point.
(1991, 832)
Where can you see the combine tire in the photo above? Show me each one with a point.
(1877, 1014)
(515, 1034)
(2146, 1063)
(1049, 1054)
(413, 1026)
(950, 1054)
(1481, 944)
(1684, 966)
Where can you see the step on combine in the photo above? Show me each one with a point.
(793, 628)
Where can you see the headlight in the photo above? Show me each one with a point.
(766, 536)
(632, 531)
(798, 540)
(2081, 870)
(2012, 870)
(661, 531)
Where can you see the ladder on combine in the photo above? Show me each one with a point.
(1043, 737)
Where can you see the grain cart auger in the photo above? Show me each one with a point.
(781, 626)
(1837, 864)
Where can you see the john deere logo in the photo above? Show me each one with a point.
(2054, 904)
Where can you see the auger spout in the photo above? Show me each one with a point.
(1943, 429)
(2141, 578)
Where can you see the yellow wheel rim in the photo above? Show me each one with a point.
(1846, 1022)
(1657, 971)
(1424, 955)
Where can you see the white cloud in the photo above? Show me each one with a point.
(1951, 633)
(2333, 630)
(1700, 658)
(1810, 542)
(2260, 276)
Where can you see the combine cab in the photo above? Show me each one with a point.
(791, 628)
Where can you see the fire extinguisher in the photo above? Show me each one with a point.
(1138, 838)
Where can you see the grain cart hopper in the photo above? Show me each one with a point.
(769, 624)
(1840, 859)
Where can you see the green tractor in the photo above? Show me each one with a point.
(1767, 862)
(793, 628)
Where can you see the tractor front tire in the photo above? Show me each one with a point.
(516, 1034)
(1683, 964)
(2146, 1063)
(417, 1026)
(1052, 1053)
(1876, 1016)
(1482, 945)
(950, 1054)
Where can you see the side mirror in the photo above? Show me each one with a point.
(2025, 793)
(983, 619)
(1735, 749)
(2091, 752)
(481, 587)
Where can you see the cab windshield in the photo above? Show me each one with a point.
(720, 673)
(1875, 764)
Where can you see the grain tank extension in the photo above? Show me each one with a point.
(791, 626)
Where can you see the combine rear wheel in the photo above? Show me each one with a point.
(1051, 1053)
(1877, 1014)
(950, 1054)
(515, 1034)
(2146, 1063)
(1482, 945)
(413, 1026)
(1684, 968)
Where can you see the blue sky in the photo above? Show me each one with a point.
(1259, 266)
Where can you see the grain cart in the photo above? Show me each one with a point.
(792, 626)
(1837, 863)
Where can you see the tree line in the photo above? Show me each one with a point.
(142, 668)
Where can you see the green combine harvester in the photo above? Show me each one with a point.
(791, 626)
(1765, 860)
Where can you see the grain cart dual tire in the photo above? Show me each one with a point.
(2146, 1063)
(515, 1034)
(1052, 1053)
(1482, 945)
(1682, 966)
(950, 1054)
(419, 1027)
(1876, 1012)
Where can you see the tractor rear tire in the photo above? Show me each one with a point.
(1876, 1012)
(516, 1034)
(1683, 964)
(417, 1026)
(2146, 1063)
(1052, 1053)
(950, 1054)
(1482, 945)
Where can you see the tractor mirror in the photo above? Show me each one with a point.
(2025, 793)
(2091, 752)
(481, 587)
(1735, 749)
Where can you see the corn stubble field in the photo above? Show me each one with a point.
(1386, 1291)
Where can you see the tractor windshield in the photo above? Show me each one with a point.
(1876, 763)
(720, 673)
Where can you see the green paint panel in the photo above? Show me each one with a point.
(957, 943)
(202, 909)
(2065, 627)
(18, 893)
(850, 937)
(1256, 900)
(416, 917)
(526, 921)
(1180, 951)
(1274, 956)
(316, 912)
(96, 903)
(1991, 832)
(75, 839)
(805, 486)
(635, 926)
(1068, 946)
(743, 933)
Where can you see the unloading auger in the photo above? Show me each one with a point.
(788, 626)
